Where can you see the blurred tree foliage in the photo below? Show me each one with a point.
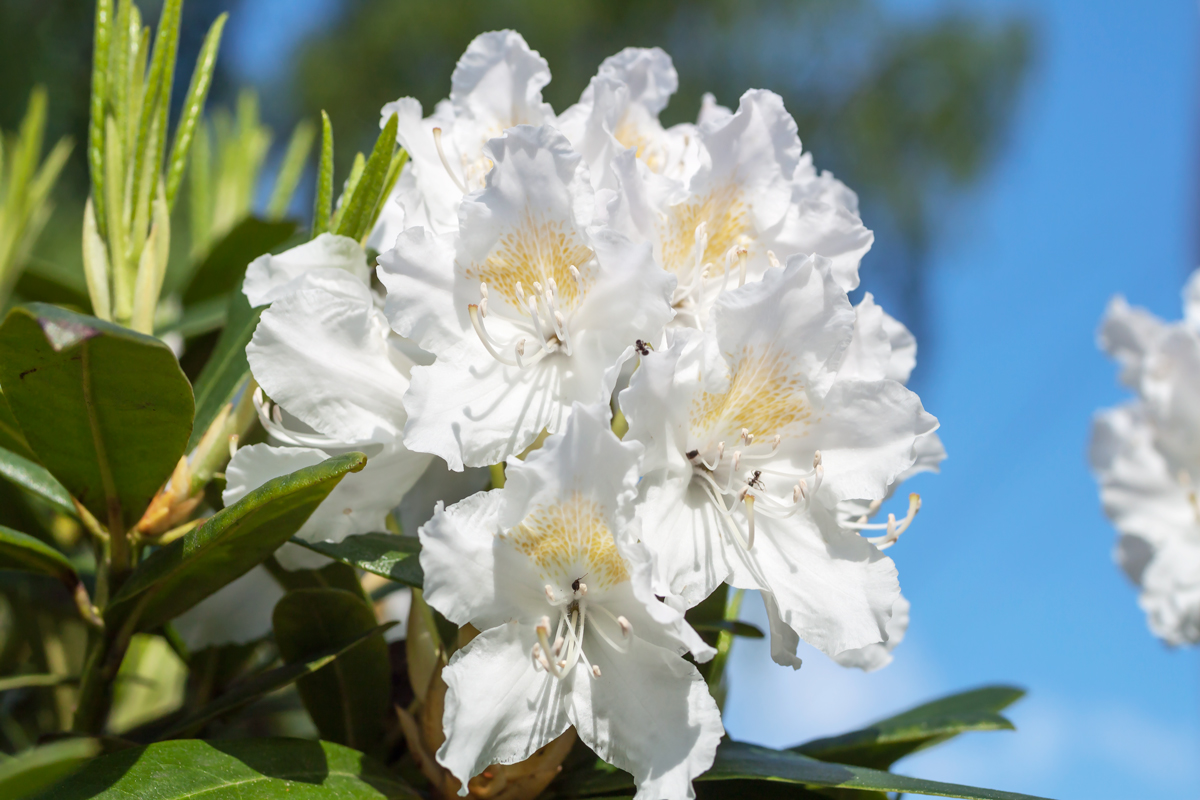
(905, 112)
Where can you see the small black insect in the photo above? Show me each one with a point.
(756, 479)
(642, 347)
(691, 454)
(575, 583)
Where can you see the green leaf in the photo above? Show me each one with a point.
(737, 761)
(264, 769)
(357, 218)
(264, 683)
(226, 370)
(193, 107)
(35, 478)
(882, 744)
(225, 265)
(348, 699)
(291, 168)
(323, 200)
(384, 554)
(107, 411)
(23, 552)
(95, 148)
(36, 769)
(731, 626)
(228, 545)
(12, 438)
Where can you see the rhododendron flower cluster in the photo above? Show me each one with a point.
(545, 279)
(1146, 455)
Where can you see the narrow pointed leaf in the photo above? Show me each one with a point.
(356, 221)
(226, 371)
(323, 200)
(882, 744)
(348, 699)
(95, 147)
(193, 107)
(348, 189)
(34, 770)
(384, 554)
(106, 410)
(33, 477)
(263, 684)
(95, 263)
(731, 626)
(291, 169)
(264, 769)
(228, 545)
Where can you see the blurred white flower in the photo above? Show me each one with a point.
(497, 84)
(1146, 456)
(753, 439)
(551, 572)
(528, 308)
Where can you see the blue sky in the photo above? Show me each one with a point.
(1008, 566)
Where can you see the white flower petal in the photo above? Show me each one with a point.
(499, 709)
(322, 353)
(649, 713)
(472, 576)
(270, 277)
(418, 273)
(878, 656)
(830, 586)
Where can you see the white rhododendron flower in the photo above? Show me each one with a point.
(528, 308)
(619, 110)
(1146, 455)
(754, 200)
(752, 441)
(551, 572)
(496, 85)
(335, 375)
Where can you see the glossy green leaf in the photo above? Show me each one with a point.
(12, 438)
(358, 215)
(223, 268)
(252, 689)
(228, 545)
(348, 699)
(236, 769)
(193, 106)
(227, 369)
(323, 200)
(882, 744)
(107, 411)
(34, 770)
(35, 478)
(737, 761)
(385, 554)
(23, 552)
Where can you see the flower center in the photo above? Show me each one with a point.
(572, 606)
(542, 327)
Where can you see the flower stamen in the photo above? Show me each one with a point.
(437, 141)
